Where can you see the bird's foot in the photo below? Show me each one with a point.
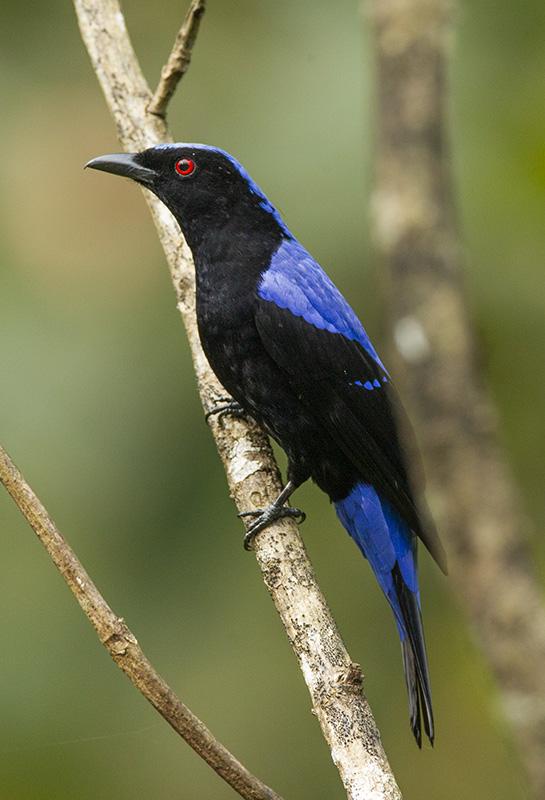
(227, 406)
(267, 515)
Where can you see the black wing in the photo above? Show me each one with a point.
(354, 399)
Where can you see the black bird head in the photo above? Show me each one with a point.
(205, 188)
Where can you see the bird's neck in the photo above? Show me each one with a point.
(221, 225)
(230, 261)
(232, 248)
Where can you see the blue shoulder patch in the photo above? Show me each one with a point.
(264, 202)
(296, 282)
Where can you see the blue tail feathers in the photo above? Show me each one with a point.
(390, 547)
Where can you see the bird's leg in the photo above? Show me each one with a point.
(275, 511)
(227, 406)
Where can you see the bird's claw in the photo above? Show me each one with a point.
(265, 516)
(228, 406)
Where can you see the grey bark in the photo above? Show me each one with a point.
(470, 486)
(122, 645)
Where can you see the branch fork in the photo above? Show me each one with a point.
(179, 59)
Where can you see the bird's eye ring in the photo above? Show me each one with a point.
(185, 167)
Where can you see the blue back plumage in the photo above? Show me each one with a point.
(296, 282)
(384, 539)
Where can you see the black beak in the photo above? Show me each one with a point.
(124, 164)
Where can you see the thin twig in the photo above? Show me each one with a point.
(334, 682)
(178, 60)
(122, 645)
(474, 496)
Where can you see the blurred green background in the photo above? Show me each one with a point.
(100, 411)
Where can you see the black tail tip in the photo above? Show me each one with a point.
(417, 733)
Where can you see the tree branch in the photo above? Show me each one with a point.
(178, 60)
(122, 645)
(472, 491)
(334, 682)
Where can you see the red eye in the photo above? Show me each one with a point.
(185, 167)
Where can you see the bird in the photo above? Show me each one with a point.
(293, 355)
